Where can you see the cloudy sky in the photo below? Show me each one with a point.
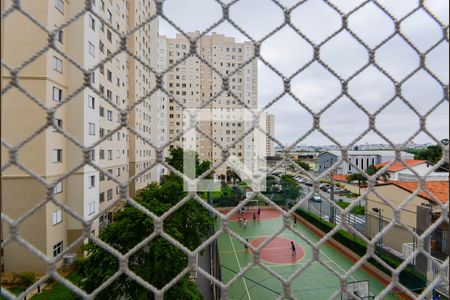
(316, 87)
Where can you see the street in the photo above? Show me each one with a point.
(323, 208)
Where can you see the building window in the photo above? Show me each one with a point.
(101, 197)
(109, 75)
(91, 128)
(58, 123)
(101, 47)
(109, 35)
(102, 156)
(91, 22)
(109, 16)
(102, 132)
(59, 5)
(57, 249)
(91, 49)
(109, 194)
(101, 111)
(109, 154)
(60, 36)
(91, 208)
(58, 188)
(109, 115)
(57, 155)
(57, 217)
(92, 181)
(93, 155)
(57, 94)
(57, 64)
(91, 102)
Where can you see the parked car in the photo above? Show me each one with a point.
(337, 190)
(324, 186)
(308, 182)
(316, 198)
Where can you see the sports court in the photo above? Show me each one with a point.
(316, 281)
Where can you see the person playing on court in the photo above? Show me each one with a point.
(295, 221)
(259, 211)
(244, 223)
(254, 217)
(293, 249)
(246, 246)
(240, 221)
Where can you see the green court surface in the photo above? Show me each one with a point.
(315, 282)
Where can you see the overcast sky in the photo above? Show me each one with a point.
(316, 86)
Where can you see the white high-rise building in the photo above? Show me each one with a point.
(193, 83)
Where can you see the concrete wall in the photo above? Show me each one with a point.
(397, 235)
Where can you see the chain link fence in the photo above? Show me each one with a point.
(12, 157)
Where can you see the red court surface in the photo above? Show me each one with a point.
(278, 251)
(266, 215)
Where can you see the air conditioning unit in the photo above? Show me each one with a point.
(69, 259)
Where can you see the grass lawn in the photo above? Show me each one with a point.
(358, 210)
(58, 290)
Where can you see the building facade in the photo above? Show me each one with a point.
(90, 115)
(194, 84)
(362, 159)
(270, 129)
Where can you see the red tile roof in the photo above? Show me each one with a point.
(340, 177)
(439, 189)
(397, 166)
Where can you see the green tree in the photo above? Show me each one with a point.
(432, 154)
(303, 165)
(374, 169)
(232, 176)
(360, 178)
(176, 160)
(291, 188)
(158, 261)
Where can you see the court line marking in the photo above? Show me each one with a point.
(239, 265)
(321, 251)
(329, 259)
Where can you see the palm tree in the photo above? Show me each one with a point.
(232, 175)
(373, 169)
(370, 171)
(357, 177)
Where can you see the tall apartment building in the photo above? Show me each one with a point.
(193, 83)
(270, 129)
(91, 114)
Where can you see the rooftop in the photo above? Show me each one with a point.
(439, 189)
(397, 166)
(367, 152)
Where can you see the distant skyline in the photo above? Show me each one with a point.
(316, 87)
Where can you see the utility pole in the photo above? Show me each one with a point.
(332, 208)
(380, 227)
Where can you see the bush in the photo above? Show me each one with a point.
(27, 278)
(78, 262)
(408, 277)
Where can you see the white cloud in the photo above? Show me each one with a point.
(315, 86)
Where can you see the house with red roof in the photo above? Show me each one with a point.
(407, 197)
(398, 171)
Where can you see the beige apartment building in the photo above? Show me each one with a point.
(92, 113)
(194, 83)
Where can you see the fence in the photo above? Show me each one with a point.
(17, 73)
